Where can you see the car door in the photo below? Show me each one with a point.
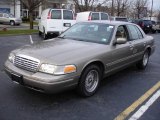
(120, 53)
(5, 18)
(137, 40)
(68, 19)
(1, 15)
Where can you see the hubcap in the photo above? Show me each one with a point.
(145, 59)
(92, 80)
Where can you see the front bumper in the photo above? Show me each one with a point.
(40, 81)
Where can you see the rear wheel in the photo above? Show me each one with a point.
(44, 35)
(12, 23)
(89, 81)
(40, 33)
(143, 63)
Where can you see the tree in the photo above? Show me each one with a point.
(31, 5)
(85, 5)
(139, 6)
(158, 16)
(121, 7)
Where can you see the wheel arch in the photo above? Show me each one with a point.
(99, 63)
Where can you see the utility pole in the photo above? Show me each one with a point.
(112, 8)
(151, 10)
(14, 2)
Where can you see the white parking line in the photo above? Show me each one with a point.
(31, 39)
(145, 107)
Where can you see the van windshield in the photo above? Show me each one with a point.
(89, 32)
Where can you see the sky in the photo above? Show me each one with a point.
(156, 4)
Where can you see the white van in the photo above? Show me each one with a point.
(55, 21)
(89, 15)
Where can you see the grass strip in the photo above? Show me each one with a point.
(17, 32)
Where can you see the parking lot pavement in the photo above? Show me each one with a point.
(116, 92)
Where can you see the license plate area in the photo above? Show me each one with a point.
(17, 78)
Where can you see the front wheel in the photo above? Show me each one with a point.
(143, 63)
(89, 81)
(12, 23)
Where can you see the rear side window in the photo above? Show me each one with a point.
(56, 14)
(67, 15)
(133, 34)
(1, 15)
(139, 32)
(95, 16)
(104, 16)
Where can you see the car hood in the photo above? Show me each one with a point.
(61, 51)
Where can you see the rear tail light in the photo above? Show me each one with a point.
(49, 15)
(89, 18)
(142, 24)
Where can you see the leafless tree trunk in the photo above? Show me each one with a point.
(138, 6)
(121, 7)
(31, 5)
(86, 5)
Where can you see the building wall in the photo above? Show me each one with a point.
(10, 8)
(18, 9)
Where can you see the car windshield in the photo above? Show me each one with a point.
(89, 32)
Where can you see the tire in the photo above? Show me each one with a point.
(12, 23)
(89, 81)
(142, 64)
(39, 33)
(44, 35)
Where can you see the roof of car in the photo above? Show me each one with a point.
(110, 22)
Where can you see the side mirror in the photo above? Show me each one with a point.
(121, 40)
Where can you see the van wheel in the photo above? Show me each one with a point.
(40, 33)
(12, 23)
(144, 61)
(89, 81)
(45, 35)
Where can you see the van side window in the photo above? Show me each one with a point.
(67, 15)
(56, 14)
(95, 16)
(104, 16)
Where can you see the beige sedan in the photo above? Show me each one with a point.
(80, 57)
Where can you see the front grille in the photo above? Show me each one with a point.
(26, 63)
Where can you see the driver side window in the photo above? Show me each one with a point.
(121, 32)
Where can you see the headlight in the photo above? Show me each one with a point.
(11, 57)
(57, 70)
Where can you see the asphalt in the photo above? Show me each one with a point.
(116, 92)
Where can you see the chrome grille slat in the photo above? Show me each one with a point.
(26, 63)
